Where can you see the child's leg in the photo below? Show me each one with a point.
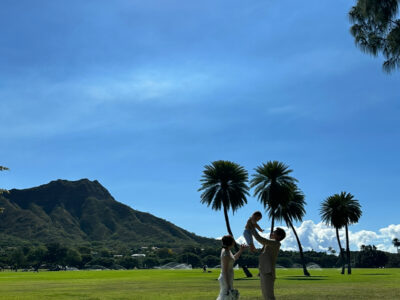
(249, 240)
(248, 237)
(252, 247)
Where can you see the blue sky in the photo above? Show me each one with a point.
(140, 95)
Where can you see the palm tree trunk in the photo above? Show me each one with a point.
(305, 271)
(348, 250)
(228, 227)
(272, 223)
(341, 250)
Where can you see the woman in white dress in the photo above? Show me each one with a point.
(227, 261)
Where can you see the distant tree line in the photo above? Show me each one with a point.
(55, 256)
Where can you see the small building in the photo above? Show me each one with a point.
(138, 255)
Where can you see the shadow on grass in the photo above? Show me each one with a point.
(300, 277)
(243, 278)
(294, 277)
(376, 274)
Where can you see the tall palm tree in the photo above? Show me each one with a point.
(224, 185)
(342, 210)
(331, 212)
(396, 243)
(290, 209)
(353, 214)
(270, 181)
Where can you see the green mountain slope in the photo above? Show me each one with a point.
(83, 211)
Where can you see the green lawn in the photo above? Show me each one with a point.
(193, 284)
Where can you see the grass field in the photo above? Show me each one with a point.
(193, 284)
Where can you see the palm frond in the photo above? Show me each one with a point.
(292, 206)
(224, 184)
(268, 181)
(340, 210)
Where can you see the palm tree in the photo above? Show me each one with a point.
(270, 181)
(341, 210)
(353, 214)
(376, 29)
(224, 185)
(396, 243)
(331, 250)
(332, 214)
(290, 209)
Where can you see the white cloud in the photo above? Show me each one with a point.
(320, 237)
(391, 231)
(364, 237)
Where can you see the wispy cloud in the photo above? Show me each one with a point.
(85, 103)
(285, 109)
(145, 86)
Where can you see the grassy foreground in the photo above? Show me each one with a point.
(193, 284)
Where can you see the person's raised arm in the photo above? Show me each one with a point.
(260, 239)
(258, 227)
(237, 254)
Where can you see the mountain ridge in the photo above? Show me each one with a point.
(82, 212)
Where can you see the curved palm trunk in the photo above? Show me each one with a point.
(272, 223)
(228, 227)
(348, 250)
(305, 271)
(341, 250)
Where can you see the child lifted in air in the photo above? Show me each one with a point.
(252, 223)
